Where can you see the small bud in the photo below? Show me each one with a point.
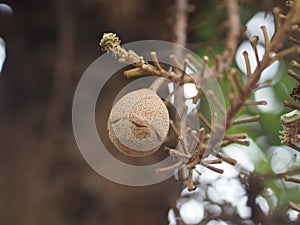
(110, 41)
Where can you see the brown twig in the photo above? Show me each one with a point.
(180, 25)
(232, 38)
(292, 179)
(282, 175)
(294, 75)
(275, 44)
(291, 145)
(294, 206)
(208, 143)
(290, 105)
(246, 120)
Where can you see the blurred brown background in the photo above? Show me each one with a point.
(43, 177)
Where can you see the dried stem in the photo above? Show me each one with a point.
(295, 64)
(275, 44)
(254, 42)
(170, 168)
(293, 40)
(180, 26)
(246, 120)
(266, 37)
(292, 146)
(217, 170)
(292, 179)
(212, 95)
(227, 159)
(256, 103)
(294, 75)
(240, 93)
(288, 104)
(233, 35)
(178, 153)
(237, 80)
(294, 206)
(155, 60)
(247, 62)
(157, 84)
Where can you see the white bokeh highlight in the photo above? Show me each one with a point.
(6, 9)
(263, 204)
(2, 53)
(268, 94)
(227, 188)
(243, 210)
(270, 73)
(247, 157)
(271, 196)
(172, 217)
(199, 192)
(190, 90)
(171, 90)
(231, 190)
(217, 222)
(258, 20)
(192, 212)
(292, 214)
(281, 159)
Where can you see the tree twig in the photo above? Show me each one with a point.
(233, 35)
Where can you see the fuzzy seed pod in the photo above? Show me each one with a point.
(138, 123)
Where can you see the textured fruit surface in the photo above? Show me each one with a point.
(138, 123)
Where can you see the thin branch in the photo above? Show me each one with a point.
(294, 75)
(281, 175)
(233, 35)
(170, 168)
(292, 179)
(255, 103)
(157, 83)
(247, 62)
(180, 26)
(254, 42)
(294, 206)
(291, 145)
(291, 105)
(266, 36)
(227, 159)
(246, 120)
(275, 45)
